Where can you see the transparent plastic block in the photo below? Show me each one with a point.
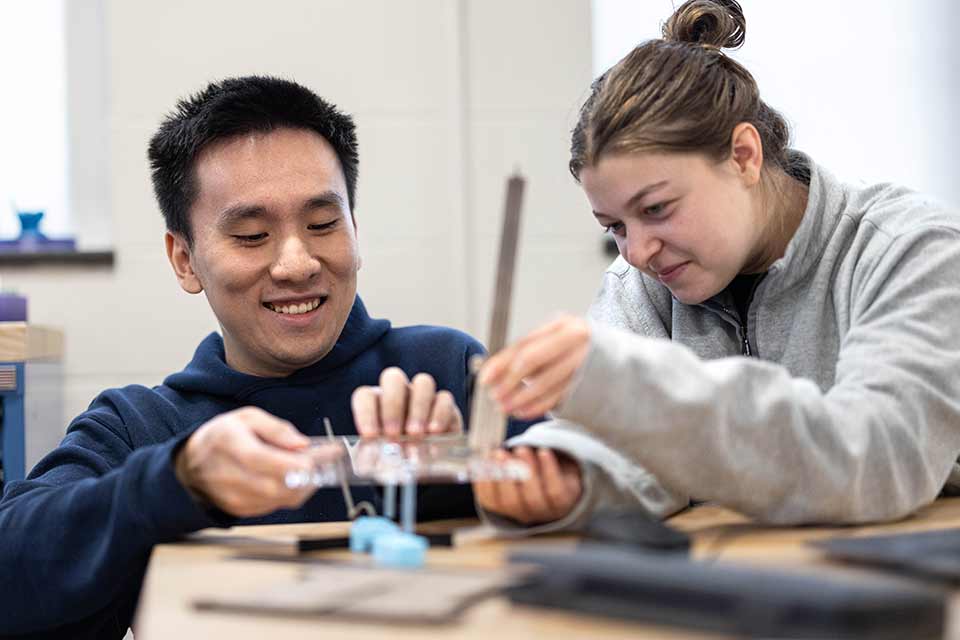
(396, 461)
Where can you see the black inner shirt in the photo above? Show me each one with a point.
(741, 288)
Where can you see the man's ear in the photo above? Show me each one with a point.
(746, 153)
(178, 252)
(356, 236)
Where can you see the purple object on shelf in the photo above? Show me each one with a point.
(36, 245)
(13, 308)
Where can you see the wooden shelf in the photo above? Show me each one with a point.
(79, 258)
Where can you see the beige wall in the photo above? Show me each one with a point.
(449, 97)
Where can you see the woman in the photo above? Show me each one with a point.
(769, 338)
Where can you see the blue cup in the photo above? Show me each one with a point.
(30, 224)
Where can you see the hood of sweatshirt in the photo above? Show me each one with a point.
(208, 372)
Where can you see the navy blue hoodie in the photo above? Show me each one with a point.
(75, 536)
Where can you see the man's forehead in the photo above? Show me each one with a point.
(251, 145)
(286, 158)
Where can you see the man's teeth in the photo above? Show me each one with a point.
(294, 309)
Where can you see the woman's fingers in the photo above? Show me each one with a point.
(552, 490)
(544, 390)
(535, 372)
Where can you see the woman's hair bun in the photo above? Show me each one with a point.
(715, 23)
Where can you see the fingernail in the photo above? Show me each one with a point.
(392, 428)
(435, 427)
(415, 427)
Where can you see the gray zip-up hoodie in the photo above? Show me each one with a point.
(849, 408)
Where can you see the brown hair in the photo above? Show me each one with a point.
(679, 94)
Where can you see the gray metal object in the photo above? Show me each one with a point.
(488, 424)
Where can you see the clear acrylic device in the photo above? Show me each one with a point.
(395, 461)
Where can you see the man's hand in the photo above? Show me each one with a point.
(404, 407)
(533, 375)
(551, 492)
(238, 462)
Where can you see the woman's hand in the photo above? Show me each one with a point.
(532, 376)
(551, 492)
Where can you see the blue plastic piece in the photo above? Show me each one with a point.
(30, 225)
(366, 529)
(400, 550)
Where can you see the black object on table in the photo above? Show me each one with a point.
(670, 589)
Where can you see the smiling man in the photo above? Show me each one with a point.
(256, 179)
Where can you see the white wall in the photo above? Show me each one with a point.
(33, 158)
(449, 96)
(870, 87)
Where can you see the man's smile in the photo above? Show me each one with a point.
(295, 307)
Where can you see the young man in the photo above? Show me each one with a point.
(256, 179)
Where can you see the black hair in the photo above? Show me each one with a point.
(230, 108)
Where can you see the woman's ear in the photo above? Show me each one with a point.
(180, 257)
(746, 153)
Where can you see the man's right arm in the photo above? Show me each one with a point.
(78, 532)
(76, 535)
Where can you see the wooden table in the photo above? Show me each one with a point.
(179, 573)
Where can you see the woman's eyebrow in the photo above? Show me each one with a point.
(645, 191)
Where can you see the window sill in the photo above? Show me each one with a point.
(46, 258)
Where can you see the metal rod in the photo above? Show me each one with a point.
(352, 510)
(506, 264)
(408, 511)
(390, 501)
(488, 425)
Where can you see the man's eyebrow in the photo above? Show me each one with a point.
(324, 200)
(239, 212)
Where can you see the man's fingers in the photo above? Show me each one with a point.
(393, 400)
(239, 461)
(365, 403)
(258, 458)
(423, 391)
(268, 428)
(251, 496)
(445, 416)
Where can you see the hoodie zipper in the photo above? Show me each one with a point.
(746, 340)
(745, 348)
(741, 329)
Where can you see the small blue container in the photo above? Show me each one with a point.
(30, 225)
